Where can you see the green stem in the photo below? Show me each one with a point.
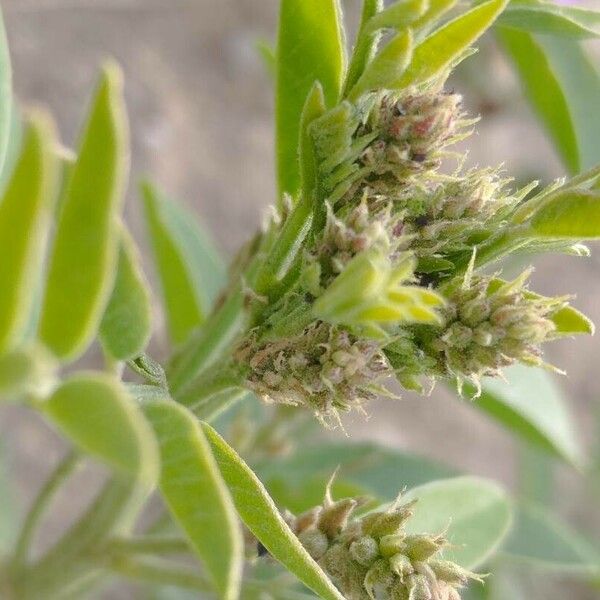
(209, 344)
(62, 472)
(148, 544)
(69, 564)
(159, 572)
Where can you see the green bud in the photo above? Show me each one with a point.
(364, 551)
(392, 544)
(422, 547)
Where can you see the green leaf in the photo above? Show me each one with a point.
(127, 323)
(366, 44)
(536, 16)
(531, 406)
(25, 370)
(543, 539)
(196, 494)
(310, 48)
(95, 411)
(443, 48)
(83, 264)
(398, 16)
(544, 91)
(314, 107)
(475, 514)
(259, 513)
(268, 57)
(386, 69)
(13, 151)
(436, 10)
(6, 98)
(571, 215)
(563, 86)
(190, 270)
(25, 215)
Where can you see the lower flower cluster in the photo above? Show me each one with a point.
(323, 368)
(372, 557)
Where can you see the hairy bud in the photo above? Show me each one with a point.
(372, 557)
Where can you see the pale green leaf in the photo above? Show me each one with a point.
(310, 48)
(386, 69)
(196, 494)
(190, 270)
(13, 151)
(82, 266)
(25, 215)
(25, 370)
(531, 406)
(474, 513)
(127, 323)
(268, 57)
(259, 513)
(398, 16)
(436, 53)
(544, 91)
(6, 98)
(542, 538)
(95, 411)
(298, 482)
(570, 215)
(536, 16)
(365, 46)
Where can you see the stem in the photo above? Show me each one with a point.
(159, 572)
(210, 342)
(495, 248)
(70, 562)
(148, 544)
(39, 507)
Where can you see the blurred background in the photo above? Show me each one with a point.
(200, 106)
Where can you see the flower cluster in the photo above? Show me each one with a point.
(374, 557)
(489, 324)
(385, 283)
(324, 368)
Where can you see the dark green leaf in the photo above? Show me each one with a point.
(310, 48)
(83, 263)
(190, 270)
(544, 91)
